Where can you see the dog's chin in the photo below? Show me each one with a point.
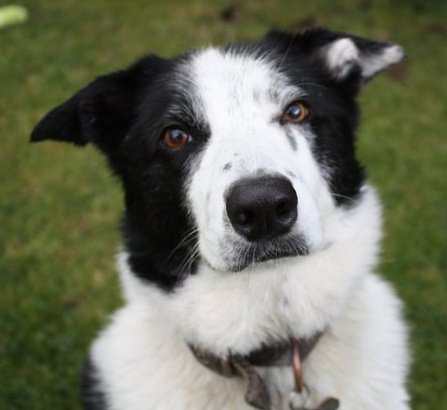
(264, 254)
(264, 261)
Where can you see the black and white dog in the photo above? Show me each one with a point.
(249, 228)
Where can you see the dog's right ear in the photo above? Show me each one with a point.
(102, 112)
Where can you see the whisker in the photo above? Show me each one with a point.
(353, 200)
(314, 85)
(190, 235)
(185, 266)
(254, 255)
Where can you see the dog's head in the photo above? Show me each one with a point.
(230, 156)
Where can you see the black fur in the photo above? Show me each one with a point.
(93, 398)
(124, 114)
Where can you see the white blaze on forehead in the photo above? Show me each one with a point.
(236, 88)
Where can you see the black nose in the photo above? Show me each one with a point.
(262, 208)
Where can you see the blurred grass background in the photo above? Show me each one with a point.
(59, 206)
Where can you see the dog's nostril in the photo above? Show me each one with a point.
(284, 208)
(246, 217)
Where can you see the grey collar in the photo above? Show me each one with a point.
(283, 354)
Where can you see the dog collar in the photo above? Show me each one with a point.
(286, 354)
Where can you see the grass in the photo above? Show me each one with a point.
(59, 206)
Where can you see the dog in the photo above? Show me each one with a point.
(250, 232)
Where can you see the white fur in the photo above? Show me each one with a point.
(142, 357)
(342, 55)
(372, 64)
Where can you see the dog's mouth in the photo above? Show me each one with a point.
(242, 256)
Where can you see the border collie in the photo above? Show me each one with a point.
(250, 233)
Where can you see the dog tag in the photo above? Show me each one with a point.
(297, 400)
(300, 396)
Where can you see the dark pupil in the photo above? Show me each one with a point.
(177, 135)
(293, 111)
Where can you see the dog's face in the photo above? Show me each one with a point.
(231, 157)
(255, 191)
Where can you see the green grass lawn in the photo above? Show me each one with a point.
(59, 206)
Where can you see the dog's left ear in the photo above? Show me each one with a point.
(103, 111)
(342, 56)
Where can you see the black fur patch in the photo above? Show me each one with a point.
(291, 140)
(125, 114)
(156, 227)
(93, 398)
(333, 108)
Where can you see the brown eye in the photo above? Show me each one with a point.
(176, 138)
(295, 113)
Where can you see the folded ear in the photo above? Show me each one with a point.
(102, 112)
(342, 55)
